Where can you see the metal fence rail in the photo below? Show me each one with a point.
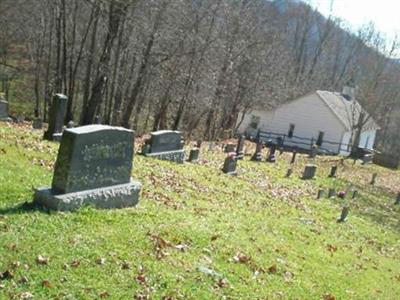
(282, 140)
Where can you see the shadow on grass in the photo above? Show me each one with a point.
(26, 207)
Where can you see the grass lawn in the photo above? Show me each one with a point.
(198, 233)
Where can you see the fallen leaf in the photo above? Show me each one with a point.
(272, 269)
(125, 266)
(241, 258)
(329, 297)
(222, 282)
(100, 261)
(23, 280)
(182, 247)
(26, 295)
(141, 278)
(42, 260)
(75, 263)
(47, 283)
(104, 294)
(332, 248)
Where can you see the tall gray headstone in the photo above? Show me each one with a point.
(333, 171)
(257, 156)
(57, 113)
(166, 145)
(240, 147)
(93, 167)
(4, 111)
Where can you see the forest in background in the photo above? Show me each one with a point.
(191, 65)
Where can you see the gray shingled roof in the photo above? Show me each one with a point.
(347, 111)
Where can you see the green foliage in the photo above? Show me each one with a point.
(198, 233)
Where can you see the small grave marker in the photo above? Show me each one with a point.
(37, 123)
(355, 194)
(194, 155)
(229, 148)
(257, 156)
(320, 194)
(4, 111)
(331, 193)
(271, 155)
(230, 164)
(240, 147)
(397, 202)
(373, 179)
(309, 172)
(289, 172)
(166, 145)
(333, 171)
(344, 214)
(57, 113)
(294, 153)
(70, 124)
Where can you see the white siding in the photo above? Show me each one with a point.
(309, 114)
(346, 140)
(367, 139)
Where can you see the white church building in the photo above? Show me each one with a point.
(327, 119)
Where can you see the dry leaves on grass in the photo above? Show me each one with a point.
(160, 245)
(47, 283)
(329, 297)
(41, 260)
(241, 258)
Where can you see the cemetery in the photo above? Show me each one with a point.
(74, 222)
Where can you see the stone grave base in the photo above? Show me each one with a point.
(116, 196)
(176, 156)
(6, 119)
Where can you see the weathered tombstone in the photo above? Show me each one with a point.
(294, 153)
(93, 167)
(37, 123)
(166, 145)
(320, 194)
(230, 164)
(229, 148)
(194, 155)
(211, 146)
(355, 194)
(313, 151)
(397, 202)
(97, 119)
(332, 173)
(344, 214)
(4, 111)
(70, 124)
(20, 119)
(373, 179)
(331, 193)
(289, 172)
(240, 147)
(257, 156)
(271, 154)
(309, 171)
(57, 114)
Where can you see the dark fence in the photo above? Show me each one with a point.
(282, 140)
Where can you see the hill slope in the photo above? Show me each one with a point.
(199, 234)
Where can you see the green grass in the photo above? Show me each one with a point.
(289, 243)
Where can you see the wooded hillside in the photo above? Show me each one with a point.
(188, 65)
